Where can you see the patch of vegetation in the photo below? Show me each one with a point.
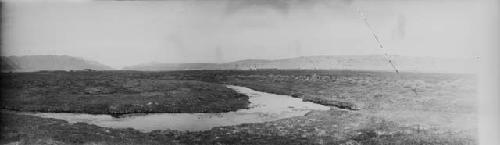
(115, 94)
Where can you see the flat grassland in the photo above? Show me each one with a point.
(367, 108)
(115, 93)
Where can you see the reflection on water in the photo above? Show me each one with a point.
(263, 107)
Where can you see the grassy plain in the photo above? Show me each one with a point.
(377, 108)
(114, 93)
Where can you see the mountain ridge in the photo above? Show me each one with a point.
(328, 62)
(29, 63)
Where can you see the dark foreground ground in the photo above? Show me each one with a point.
(114, 93)
(378, 108)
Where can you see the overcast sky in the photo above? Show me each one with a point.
(129, 33)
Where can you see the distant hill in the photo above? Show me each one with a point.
(172, 66)
(347, 62)
(31, 63)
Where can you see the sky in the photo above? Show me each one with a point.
(124, 33)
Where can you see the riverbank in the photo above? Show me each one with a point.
(430, 102)
(114, 94)
(410, 98)
(318, 127)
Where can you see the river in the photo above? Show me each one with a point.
(263, 107)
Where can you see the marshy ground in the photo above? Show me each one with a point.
(115, 93)
(366, 107)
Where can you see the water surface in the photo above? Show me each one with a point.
(263, 107)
